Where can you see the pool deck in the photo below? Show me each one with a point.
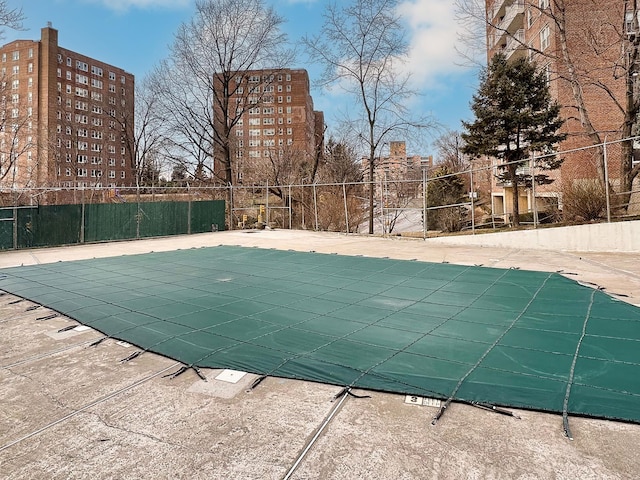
(68, 410)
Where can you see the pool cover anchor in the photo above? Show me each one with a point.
(97, 342)
(199, 373)
(493, 408)
(177, 373)
(255, 383)
(183, 369)
(347, 391)
(437, 416)
(135, 354)
(66, 329)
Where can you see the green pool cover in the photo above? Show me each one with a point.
(505, 337)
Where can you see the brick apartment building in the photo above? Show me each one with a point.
(526, 28)
(279, 123)
(63, 117)
(397, 165)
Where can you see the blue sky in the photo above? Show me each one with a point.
(135, 34)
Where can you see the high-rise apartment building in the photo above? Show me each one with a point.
(277, 124)
(583, 40)
(65, 117)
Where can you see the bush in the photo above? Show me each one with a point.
(583, 200)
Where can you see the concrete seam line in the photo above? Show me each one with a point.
(45, 355)
(316, 436)
(87, 407)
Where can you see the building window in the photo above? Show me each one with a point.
(112, 174)
(112, 76)
(545, 35)
(82, 172)
(82, 66)
(16, 69)
(543, 4)
(288, 99)
(547, 73)
(123, 174)
(16, 56)
(288, 77)
(69, 61)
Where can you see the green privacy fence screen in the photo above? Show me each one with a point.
(49, 225)
(515, 338)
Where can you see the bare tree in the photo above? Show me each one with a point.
(598, 53)
(362, 47)
(17, 167)
(207, 83)
(340, 163)
(144, 134)
(10, 17)
(449, 147)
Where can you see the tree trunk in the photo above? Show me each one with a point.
(515, 195)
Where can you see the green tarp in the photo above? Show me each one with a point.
(504, 337)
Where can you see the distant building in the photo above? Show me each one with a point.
(397, 165)
(281, 126)
(65, 117)
(526, 28)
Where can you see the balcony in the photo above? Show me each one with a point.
(515, 44)
(508, 20)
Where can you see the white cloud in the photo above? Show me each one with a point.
(433, 38)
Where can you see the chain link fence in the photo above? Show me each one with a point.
(590, 187)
